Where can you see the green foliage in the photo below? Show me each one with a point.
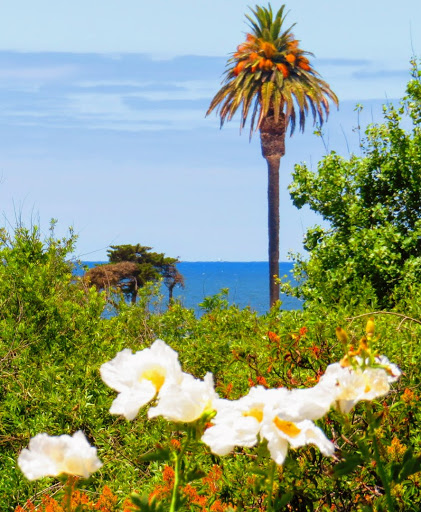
(54, 339)
(371, 251)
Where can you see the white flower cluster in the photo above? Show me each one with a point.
(280, 416)
(283, 417)
(156, 372)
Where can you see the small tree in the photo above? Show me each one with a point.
(131, 267)
(373, 205)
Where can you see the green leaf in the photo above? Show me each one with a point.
(283, 500)
(411, 466)
(159, 454)
(267, 90)
(194, 474)
(142, 503)
(347, 466)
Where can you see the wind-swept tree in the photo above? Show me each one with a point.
(131, 267)
(270, 76)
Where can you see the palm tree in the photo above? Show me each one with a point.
(270, 76)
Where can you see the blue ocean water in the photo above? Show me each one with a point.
(247, 283)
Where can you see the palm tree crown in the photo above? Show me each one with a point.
(270, 74)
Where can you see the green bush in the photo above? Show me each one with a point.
(371, 251)
(54, 338)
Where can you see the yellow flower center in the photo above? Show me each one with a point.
(155, 375)
(256, 413)
(287, 427)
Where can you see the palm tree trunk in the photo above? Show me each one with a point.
(272, 138)
(273, 226)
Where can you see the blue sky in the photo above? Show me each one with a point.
(102, 117)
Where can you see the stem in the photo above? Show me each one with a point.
(379, 464)
(68, 491)
(175, 497)
(270, 499)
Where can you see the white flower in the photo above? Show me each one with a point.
(281, 434)
(266, 414)
(139, 377)
(187, 401)
(238, 422)
(53, 455)
(353, 385)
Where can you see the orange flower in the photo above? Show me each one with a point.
(211, 479)
(193, 496)
(262, 381)
(290, 57)
(283, 69)
(273, 337)
(168, 474)
(176, 443)
(303, 331)
(408, 395)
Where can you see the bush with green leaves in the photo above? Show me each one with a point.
(371, 251)
(54, 339)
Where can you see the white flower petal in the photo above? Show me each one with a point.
(392, 370)
(187, 401)
(128, 403)
(278, 448)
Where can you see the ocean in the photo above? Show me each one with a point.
(247, 283)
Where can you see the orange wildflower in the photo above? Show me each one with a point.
(303, 331)
(407, 396)
(211, 479)
(262, 381)
(273, 337)
(168, 474)
(176, 443)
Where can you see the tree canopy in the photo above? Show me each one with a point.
(132, 266)
(373, 204)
